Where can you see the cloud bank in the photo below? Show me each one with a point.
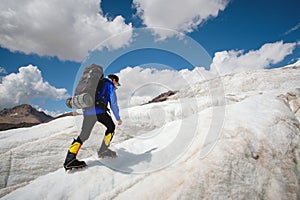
(139, 85)
(26, 85)
(182, 16)
(233, 61)
(67, 29)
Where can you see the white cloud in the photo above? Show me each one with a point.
(182, 16)
(236, 61)
(293, 29)
(139, 85)
(67, 29)
(26, 85)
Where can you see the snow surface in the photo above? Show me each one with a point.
(233, 137)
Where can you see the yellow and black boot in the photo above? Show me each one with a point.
(104, 151)
(71, 161)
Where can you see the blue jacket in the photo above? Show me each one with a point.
(106, 95)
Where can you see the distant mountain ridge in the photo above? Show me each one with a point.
(22, 116)
(26, 116)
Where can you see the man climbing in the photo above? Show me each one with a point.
(105, 93)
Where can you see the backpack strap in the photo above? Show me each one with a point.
(99, 102)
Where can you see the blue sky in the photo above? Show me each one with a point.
(57, 37)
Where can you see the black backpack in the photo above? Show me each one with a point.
(91, 80)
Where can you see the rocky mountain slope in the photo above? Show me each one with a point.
(21, 116)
